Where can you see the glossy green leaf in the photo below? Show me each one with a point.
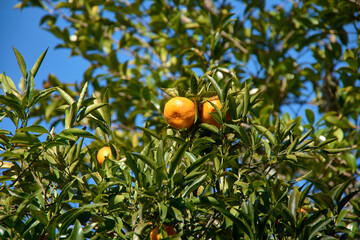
(37, 64)
(82, 95)
(194, 185)
(215, 85)
(21, 62)
(25, 138)
(150, 132)
(30, 89)
(265, 132)
(201, 161)
(210, 128)
(310, 116)
(175, 160)
(77, 232)
(151, 163)
(319, 227)
(246, 101)
(294, 201)
(7, 84)
(77, 132)
(66, 96)
(36, 129)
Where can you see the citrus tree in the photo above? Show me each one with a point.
(187, 123)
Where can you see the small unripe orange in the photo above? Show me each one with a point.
(103, 153)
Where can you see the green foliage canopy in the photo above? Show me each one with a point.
(264, 174)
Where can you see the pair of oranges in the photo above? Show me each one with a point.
(180, 112)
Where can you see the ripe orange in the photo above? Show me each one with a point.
(103, 152)
(207, 108)
(170, 230)
(154, 234)
(180, 112)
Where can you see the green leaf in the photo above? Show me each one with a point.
(243, 134)
(35, 128)
(70, 116)
(336, 150)
(77, 232)
(337, 192)
(226, 88)
(37, 64)
(172, 92)
(293, 201)
(89, 109)
(319, 227)
(65, 96)
(304, 194)
(246, 101)
(12, 102)
(215, 85)
(24, 204)
(194, 185)
(287, 214)
(21, 62)
(265, 132)
(310, 116)
(323, 200)
(59, 200)
(146, 160)
(303, 137)
(346, 199)
(243, 225)
(292, 146)
(69, 216)
(38, 214)
(30, 90)
(201, 161)
(7, 84)
(44, 93)
(151, 132)
(267, 148)
(82, 95)
(133, 165)
(175, 160)
(105, 110)
(210, 127)
(76, 132)
(193, 85)
(24, 138)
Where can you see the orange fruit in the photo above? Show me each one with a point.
(180, 112)
(154, 234)
(103, 153)
(170, 230)
(207, 108)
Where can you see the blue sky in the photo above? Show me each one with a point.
(21, 29)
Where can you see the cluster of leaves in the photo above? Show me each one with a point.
(207, 183)
(262, 175)
(292, 52)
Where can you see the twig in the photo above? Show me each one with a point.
(236, 42)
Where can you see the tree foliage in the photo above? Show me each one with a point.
(269, 172)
